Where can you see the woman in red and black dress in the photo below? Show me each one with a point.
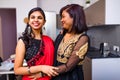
(36, 49)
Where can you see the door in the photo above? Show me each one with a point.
(7, 32)
(1, 50)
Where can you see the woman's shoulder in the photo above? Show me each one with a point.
(20, 40)
(20, 43)
(83, 35)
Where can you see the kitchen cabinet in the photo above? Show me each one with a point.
(103, 12)
(102, 68)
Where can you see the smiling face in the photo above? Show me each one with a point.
(66, 20)
(36, 20)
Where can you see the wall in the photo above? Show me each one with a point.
(109, 34)
(55, 5)
(22, 8)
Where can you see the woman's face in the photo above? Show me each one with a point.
(36, 20)
(66, 20)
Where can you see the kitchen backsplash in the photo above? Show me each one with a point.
(104, 33)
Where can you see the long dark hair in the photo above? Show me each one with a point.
(26, 35)
(77, 13)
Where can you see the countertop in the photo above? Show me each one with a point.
(95, 53)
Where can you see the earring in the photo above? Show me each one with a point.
(29, 30)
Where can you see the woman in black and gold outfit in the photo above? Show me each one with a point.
(72, 44)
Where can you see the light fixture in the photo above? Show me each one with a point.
(87, 2)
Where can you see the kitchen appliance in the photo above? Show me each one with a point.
(104, 49)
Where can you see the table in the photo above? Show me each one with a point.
(6, 72)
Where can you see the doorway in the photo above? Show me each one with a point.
(8, 31)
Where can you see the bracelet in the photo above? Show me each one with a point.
(29, 70)
(41, 75)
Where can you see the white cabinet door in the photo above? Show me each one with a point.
(106, 69)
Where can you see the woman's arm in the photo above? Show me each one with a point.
(19, 69)
(19, 57)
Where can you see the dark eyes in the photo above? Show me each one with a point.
(38, 17)
(62, 17)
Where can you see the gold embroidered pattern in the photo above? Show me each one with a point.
(82, 51)
(65, 49)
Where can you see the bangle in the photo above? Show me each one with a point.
(41, 75)
(29, 70)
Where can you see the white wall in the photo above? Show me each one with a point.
(55, 5)
(22, 9)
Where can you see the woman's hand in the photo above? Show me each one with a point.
(49, 70)
(35, 76)
(45, 71)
